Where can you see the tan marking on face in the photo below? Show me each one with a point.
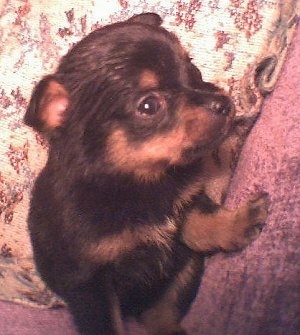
(53, 104)
(112, 247)
(149, 159)
(144, 160)
(148, 79)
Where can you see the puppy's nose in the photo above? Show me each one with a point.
(220, 105)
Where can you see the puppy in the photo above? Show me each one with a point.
(119, 219)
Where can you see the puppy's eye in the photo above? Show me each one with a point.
(149, 106)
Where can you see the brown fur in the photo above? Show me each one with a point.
(224, 229)
(120, 216)
(148, 79)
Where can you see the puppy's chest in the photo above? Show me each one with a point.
(134, 242)
(123, 223)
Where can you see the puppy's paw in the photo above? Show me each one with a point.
(249, 222)
(224, 229)
(257, 213)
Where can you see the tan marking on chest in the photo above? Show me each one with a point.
(114, 246)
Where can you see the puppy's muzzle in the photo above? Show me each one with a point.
(207, 122)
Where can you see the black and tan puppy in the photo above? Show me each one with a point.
(130, 123)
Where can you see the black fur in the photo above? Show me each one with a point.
(81, 199)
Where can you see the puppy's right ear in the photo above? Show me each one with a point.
(151, 19)
(47, 106)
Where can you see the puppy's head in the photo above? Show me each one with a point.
(127, 100)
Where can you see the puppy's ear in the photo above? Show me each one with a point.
(151, 19)
(47, 106)
(196, 81)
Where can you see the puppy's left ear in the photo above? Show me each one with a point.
(151, 19)
(47, 107)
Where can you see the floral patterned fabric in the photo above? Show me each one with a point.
(238, 44)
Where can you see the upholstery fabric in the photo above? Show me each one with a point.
(238, 44)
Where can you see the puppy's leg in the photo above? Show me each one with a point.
(164, 317)
(94, 313)
(224, 229)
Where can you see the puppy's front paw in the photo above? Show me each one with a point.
(224, 229)
(249, 222)
(257, 213)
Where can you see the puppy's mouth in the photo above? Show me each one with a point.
(202, 146)
(192, 154)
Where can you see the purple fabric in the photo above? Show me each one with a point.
(257, 291)
(18, 320)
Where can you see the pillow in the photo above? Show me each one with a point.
(239, 45)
